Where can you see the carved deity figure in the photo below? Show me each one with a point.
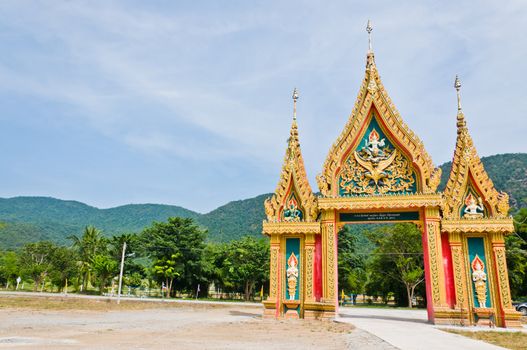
(473, 210)
(373, 158)
(292, 275)
(479, 277)
(372, 147)
(292, 213)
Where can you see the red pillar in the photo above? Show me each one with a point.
(449, 272)
(317, 278)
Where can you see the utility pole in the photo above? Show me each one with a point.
(121, 275)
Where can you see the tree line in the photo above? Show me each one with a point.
(172, 257)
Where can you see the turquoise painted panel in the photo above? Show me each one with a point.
(387, 179)
(292, 245)
(476, 246)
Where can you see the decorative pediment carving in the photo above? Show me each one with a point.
(469, 192)
(382, 174)
(293, 200)
(376, 167)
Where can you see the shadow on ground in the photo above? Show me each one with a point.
(246, 314)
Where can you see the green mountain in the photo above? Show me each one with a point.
(235, 219)
(507, 171)
(26, 219)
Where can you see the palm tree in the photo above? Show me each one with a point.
(104, 268)
(88, 245)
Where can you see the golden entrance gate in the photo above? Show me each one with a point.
(379, 169)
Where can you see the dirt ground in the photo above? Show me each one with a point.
(92, 324)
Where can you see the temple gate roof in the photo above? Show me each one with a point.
(468, 176)
(373, 98)
(293, 182)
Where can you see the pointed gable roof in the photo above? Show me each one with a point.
(373, 95)
(293, 179)
(467, 170)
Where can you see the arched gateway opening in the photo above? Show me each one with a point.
(381, 264)
(379, 171)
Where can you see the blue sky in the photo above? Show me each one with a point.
(189, 102)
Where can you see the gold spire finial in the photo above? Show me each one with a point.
(369, 29)
(460, 117)
(295, 98)
(457, 85)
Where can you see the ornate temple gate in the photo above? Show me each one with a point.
(424, 215)
(378, 168)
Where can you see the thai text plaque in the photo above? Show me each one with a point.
(376, 217)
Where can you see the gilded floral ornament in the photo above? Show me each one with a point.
(475, 225)
(434, 181)
(503, 204)
(372, 85)
(376, 169)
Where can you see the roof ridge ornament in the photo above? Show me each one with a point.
(457, 85)
(460, 116)
(295, 98)
(370, 61)
(369, 29)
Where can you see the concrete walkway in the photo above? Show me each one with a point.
(407, 329)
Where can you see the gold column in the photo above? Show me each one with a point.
(309, 253)
(329, 261)
(438, 310)
(507, 315)
(460, 276)
(270, 304)
(435, 258)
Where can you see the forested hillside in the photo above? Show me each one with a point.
(235, 219)
(507, 171)
(26, 219)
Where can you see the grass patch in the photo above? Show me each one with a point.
(509, 340)
(86, 304)
(65, 303)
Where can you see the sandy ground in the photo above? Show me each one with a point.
(184, 327)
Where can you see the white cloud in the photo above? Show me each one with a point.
(207, 82)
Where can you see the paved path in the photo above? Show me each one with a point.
(408, 329)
